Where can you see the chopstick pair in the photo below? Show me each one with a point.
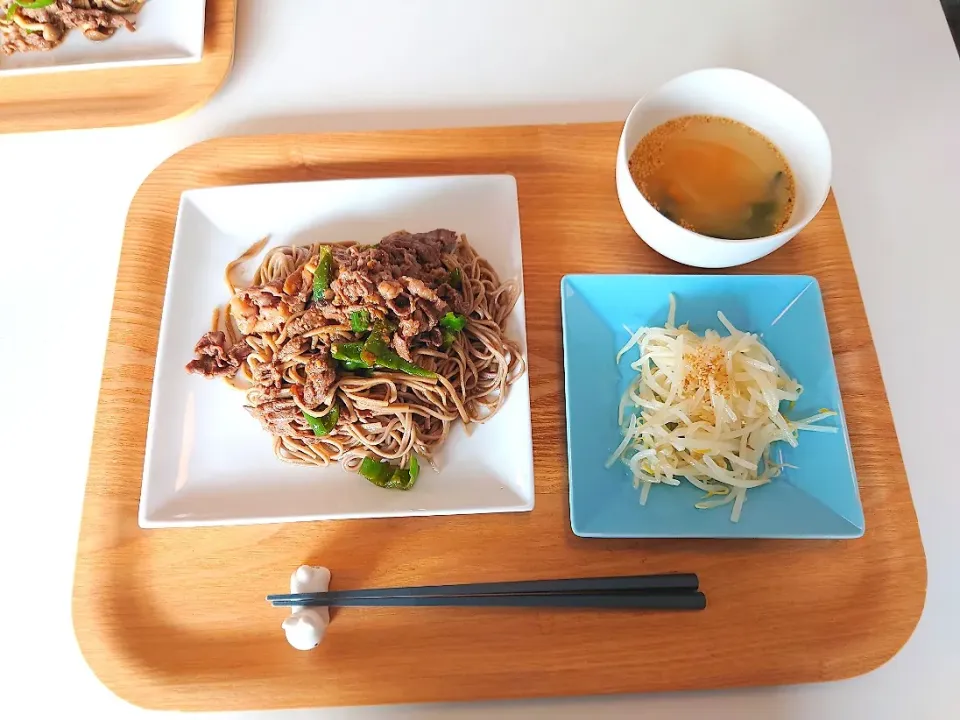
(678, 591)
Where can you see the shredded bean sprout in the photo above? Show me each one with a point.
(706, 409)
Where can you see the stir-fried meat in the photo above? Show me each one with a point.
(268, 374)
(265, 308)
(310, 320)
(321, 375)
(299, 285)
(434, 338)
(403, 276)
(426, 249)
(429, 315)
(338, 315)
(453, 298)
(259, 395)
(278, 410)
(281, 417)
(419, 289)
(29, 30)
(354, 286)
(401, 346)
(424, 318)
(40, 29)
(14, 39)
(421, 321)
(293, 347)
(409, 327)
(390, 289)
(213, 358)
(261, 309)
(405, 279)
(402, 306)
(94, 24)
(417, 255)
(118, 6)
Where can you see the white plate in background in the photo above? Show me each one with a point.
(208, 462)
(169, 32)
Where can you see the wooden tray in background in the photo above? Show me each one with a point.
(111, 97)
(175, 619)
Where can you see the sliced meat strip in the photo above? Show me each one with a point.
(293, 347)
(434, 338)
(390, 289)
(321, 375)
(281, 417)
(401, 306)
(94, 24)
(268, 374)
(310, 320)
(260, 309)
(400, 345)
(409, 327)
(214, 359)
(418, 288)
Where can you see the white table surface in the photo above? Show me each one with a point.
(882, 75)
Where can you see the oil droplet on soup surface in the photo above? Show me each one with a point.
(715, 176)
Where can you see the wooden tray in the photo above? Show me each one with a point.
(121, 96)
(175, 619)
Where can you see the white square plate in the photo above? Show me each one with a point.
(169, 32)
(208, 462)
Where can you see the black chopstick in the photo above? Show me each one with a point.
(682, 600)
(677, 582)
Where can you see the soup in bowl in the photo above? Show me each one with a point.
(719, 167)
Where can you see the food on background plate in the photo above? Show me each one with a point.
(714, 176)
(41, 25)
(707, 410)
(366, 354)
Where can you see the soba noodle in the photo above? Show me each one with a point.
(387, 414)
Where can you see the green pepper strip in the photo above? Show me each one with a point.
(376, 352)
(450, 325)
(360, 321)
(376, 342)
(383, 474)
(353, 366)
(379, 473)
(389, 360)
(453, 321)
(349, 353)
(323, 424)
(321, 276)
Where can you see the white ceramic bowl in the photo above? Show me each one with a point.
(755, 102)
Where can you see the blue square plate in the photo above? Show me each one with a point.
(820, 499)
